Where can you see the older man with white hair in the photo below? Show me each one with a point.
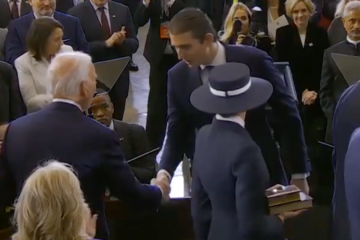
(60, 131)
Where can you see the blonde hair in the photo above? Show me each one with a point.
(51, 205)
(228, 24)
(290, 4)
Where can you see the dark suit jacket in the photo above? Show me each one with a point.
(332, 83)
(154, 45)
(231, 205)
(263, 15)
(119, 16)
(352, 184)
(183, 118)
(11, 101)
(346, 120)
(15, 42)
(93, 150)
(134, 142)
(63, 6)
(6, 17)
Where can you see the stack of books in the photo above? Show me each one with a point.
(287, 199)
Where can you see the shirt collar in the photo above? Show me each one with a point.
(352, 41)
(67, 101)
(220, 57)
(36, 16)
(235, 119)
(112, 125)
(170, 3)
(106, 6)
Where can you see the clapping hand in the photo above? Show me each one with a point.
(91, 226)
(308, 97)
(116, 38)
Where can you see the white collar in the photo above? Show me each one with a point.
(220, 57)
(170, 3)
(106, 6)
(235, 119)
(36, 16)
(112, 125)
(67, 101)
(352, 41)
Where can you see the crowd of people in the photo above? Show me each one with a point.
(59, 161)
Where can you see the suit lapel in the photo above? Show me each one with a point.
(93, 18)
(114, 18)
(25, 8)
(195, 78)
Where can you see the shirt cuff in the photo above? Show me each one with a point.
(162, 171)
(300, 175)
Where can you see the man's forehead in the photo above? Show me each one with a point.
(181, 39)
(354, 14)
(101, 98)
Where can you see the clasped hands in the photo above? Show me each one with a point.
(309, 97)
(116, 38)
(163, 182)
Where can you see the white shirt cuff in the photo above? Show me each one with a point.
(162, 171)
(300, 175)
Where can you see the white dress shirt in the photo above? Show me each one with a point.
(18, 3)
(67, 101)
(352, 41)
(235, 119)
(219, 59)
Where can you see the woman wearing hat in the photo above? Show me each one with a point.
(230, 176)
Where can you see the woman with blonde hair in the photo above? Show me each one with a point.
(237, 24)
(51, 206)
(336, 29)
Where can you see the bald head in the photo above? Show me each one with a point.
(71, 75)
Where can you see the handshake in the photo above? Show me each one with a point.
(162, 181)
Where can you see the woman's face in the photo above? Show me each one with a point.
(241, 15)
(54, 42)
(300, 14)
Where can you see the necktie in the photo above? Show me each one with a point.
(104, 22)
(14, 9)
(206, 73)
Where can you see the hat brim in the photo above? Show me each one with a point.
(258, 94)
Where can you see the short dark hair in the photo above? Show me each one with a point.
(39, 33)
(192, 20)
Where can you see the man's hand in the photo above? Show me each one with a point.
(288, 215)
(308, 97)
(302, 184)
(3, 129)
(115, 37)
(164, 184)
(91, 226)
(122, 36)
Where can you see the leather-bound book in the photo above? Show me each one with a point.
(279, 194)
(305, 202)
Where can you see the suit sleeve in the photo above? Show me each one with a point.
(327, 101)
(7, 183)
(248, 171)
(120, 179)
(15, 96)
(131, 43)
(143, 169)
(13, 45)
(143, 14)
(32, 99)
(176, 131)
(81, 43)
(281, 45)
(200, 204)
(285, 110)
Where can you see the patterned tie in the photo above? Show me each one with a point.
(104, 22)
(14, 9)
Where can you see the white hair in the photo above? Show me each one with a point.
(351, 6)
(66, 73)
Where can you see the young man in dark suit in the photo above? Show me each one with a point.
(231, 205)
(110, 31)
(132, 137)
(193, 36)
(15, 42)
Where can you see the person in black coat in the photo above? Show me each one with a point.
(302, 44)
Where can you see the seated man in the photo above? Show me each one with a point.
(132, 137)
(15, 42)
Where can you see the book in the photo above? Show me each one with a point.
(305, 202)
(279, 194)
